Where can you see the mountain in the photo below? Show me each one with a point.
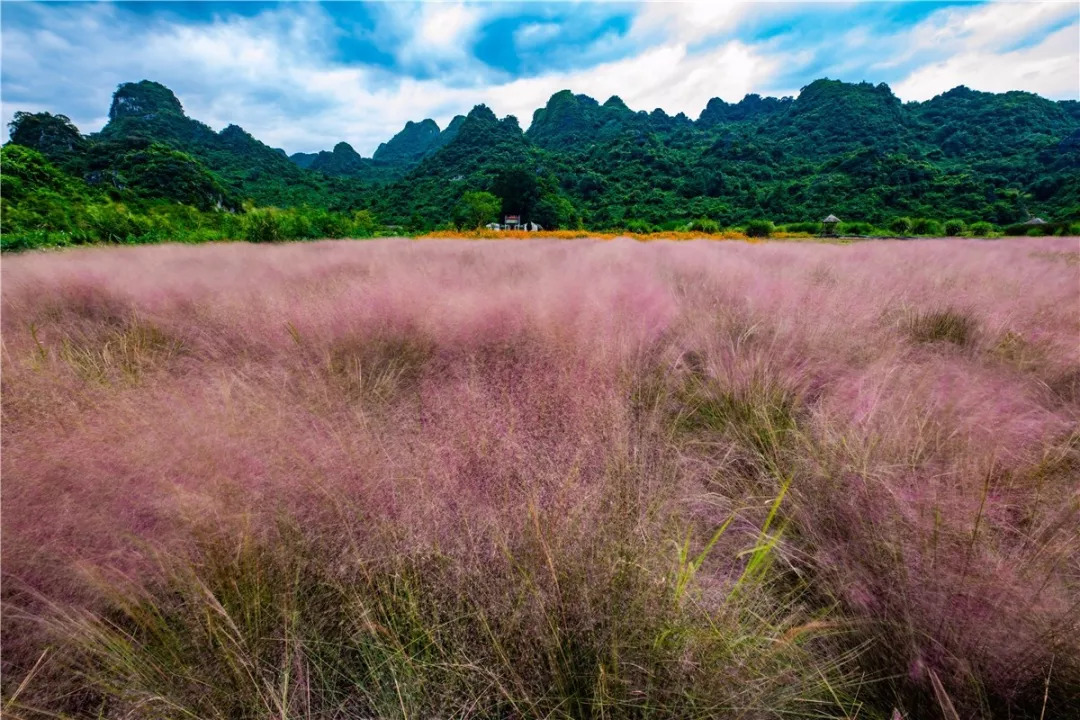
(391, 159)
(343, 160)
(569, 120)
(852, 149)
(410, 145)
(304, 160)
(751, 107)
(148, 111)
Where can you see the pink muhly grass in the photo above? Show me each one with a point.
(613, 459)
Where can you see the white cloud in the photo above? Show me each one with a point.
(433, 35)
(1049, 68)
(668, 76)
(990, 28)
(688, 22)
(531, 35)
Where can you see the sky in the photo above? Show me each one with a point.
(303, 76)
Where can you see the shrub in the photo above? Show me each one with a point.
(758, 228)
(114, 224)
(263, 226)
(641, 227)
(925, 226)
(704, 225)
(364, 223)
(803, 227)
(855, 228)
(954, 228)
(981, 229)
(900, 225)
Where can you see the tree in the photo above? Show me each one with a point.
(54, 136)
(518, 190)
(555, 211)
(477, 208)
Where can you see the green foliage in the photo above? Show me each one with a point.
(54, 136)
(705, 225)
(900, 225)
(954, 227)
(855, 228)
(518, 190)
(639, 226)
(477, 208)
(981, 229)
(160, 172)
(553, 212)
(365, 223)
(758, 228)
(925, 226)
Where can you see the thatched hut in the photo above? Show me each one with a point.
(828, 225)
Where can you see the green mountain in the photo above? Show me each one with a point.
(248, 168)
(343, 160)
(410, 145)
(391, 159)
(852, 149)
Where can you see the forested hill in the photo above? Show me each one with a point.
(851, 149)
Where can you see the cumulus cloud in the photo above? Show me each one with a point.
(1049, 68)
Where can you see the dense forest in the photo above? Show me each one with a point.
(964, 162)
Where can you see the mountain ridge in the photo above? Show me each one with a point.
(853, 149)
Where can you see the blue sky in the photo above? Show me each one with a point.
(303, 76)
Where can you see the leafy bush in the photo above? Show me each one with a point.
(113, 223)
(954, 228)
(925, 226)
(855, 228)
(364, 223)
(900, 225)
(262, 226)
(803, 227)
(476, 209)
(981, 229)
(639, 226)
(758, 228)
(704, 225)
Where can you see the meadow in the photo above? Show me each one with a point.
(542, 479)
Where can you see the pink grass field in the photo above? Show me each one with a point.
(888, 432)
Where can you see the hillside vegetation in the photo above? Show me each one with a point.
(965, 162)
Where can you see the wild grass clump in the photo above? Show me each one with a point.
(758, 228)
(949, 325)
(542, 479)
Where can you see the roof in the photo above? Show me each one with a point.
(831, 218)
(1035, 221)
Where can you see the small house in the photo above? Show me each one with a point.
(1035, 221)
(828, 225)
